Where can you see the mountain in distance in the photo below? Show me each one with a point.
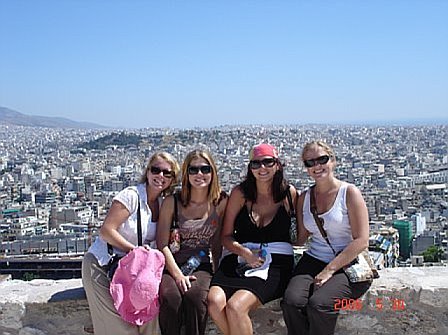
(12, 117)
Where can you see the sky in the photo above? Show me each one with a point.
(183, 64)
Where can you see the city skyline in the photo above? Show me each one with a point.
(199, 64)
(53, 183)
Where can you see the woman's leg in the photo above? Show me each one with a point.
(237, 310)
(217, 301)
(294, 304)
(150, 328)
(105, 318)
(321, 311)
(298, 292)
(170, 306)
(195, 304)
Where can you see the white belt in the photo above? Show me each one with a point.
(283, 248)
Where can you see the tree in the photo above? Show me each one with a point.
(433, 254)
(28, 276)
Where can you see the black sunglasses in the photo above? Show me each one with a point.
(319, 160)
(165, 173)
(267, 162)
(205, 169)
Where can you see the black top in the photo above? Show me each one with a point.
(276, 231)
(280, 268)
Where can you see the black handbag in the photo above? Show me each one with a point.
(292, 214)
(112, 266)
(174, 240)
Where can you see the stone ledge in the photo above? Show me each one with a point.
(47, 307)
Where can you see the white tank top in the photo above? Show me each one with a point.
(336, 224)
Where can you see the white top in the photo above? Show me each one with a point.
(128, 229)
(336, 224)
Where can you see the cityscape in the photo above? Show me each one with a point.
(57, 184)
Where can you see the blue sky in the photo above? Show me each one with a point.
(210, 63)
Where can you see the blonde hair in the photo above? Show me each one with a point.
(174, 167)
(321, 144)
(214, 189)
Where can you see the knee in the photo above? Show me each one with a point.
(194, 299)
(321, 304)
(235, 309)
(294, 298)
(216, 301)
(170, 298)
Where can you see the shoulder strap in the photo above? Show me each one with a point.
(319, 221)
(175, 222)
(139, 224)
(292, 210)
(110, 249)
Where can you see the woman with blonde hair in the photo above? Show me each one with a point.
(199, 209)
(118, 235)
(318, 279)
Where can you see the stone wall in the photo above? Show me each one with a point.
(407, 301)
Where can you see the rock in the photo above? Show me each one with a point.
(413, 301)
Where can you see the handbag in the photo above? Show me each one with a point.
(174, 241)
(292, 214)
(362, 268)
(112, 266)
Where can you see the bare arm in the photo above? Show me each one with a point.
(163, 235)
(359, 223)
(235, 203)
(292, 190)
(216, 245)
(117, 214)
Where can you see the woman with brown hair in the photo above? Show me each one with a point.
(258, 255)
(200, 207)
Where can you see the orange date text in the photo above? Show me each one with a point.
(379, 304)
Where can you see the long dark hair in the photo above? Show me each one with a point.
(279, 185)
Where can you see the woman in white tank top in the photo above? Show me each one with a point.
(318, 279)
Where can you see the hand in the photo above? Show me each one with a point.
(254, 260)
(184, 283)
(322, 277)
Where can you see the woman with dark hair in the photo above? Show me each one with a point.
(258, 256)
(119, 233)
(199, 208)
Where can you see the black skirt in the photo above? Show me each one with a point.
(267, 290)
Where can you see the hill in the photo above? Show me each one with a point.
(12, 117)
(114, 139)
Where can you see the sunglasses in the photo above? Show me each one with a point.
(319, 160)
(267, 162)
(205, 169)
(166, 173)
